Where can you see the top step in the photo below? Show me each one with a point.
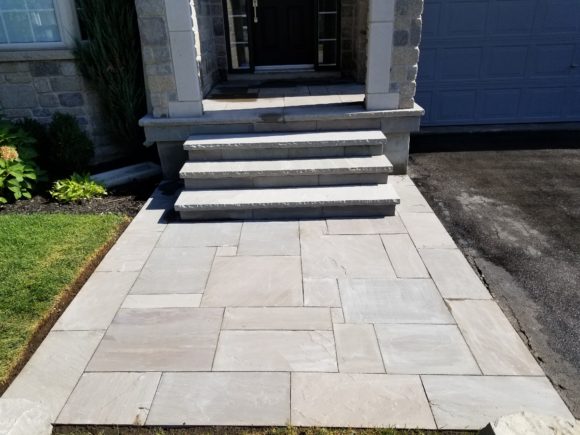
(286, 140)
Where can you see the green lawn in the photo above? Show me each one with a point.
(42, 259)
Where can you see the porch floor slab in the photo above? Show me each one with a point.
(340, 323)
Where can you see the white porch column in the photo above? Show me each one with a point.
(181, 22)
(380, 46)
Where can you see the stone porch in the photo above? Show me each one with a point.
(175, 51)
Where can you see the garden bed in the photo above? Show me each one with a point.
(126, 200)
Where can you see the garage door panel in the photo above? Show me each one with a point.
(431, 27)
(500, 61)
(558, 16)
(507, 62)
(456, 106)
(465, 18)
(459, 63)
(500, 104)
(511, 17)
(544, 103)
(552, 60)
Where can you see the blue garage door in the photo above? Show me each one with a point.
(500, 61)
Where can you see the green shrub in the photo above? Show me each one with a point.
(70, 149)
(110, 59)
(39, 133)
(18, 172)
(16, 177)
(77, 188)
(13, 136)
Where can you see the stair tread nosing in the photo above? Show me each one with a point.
(304, 197)
(265, 168)
(286, 140)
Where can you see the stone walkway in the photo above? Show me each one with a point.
(353, 322)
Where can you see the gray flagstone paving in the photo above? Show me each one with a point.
(345, 322)
(175, 270)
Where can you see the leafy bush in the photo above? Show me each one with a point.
(18, 172)
(110, 59)
(39, 133)
(77, 188)
(70, 149)
(13, 136)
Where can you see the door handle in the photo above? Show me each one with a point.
(255, 5)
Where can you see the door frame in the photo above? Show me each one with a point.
(252, 45)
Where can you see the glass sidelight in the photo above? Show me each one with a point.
(239, 35)
(328, 31)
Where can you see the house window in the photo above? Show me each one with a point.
(37, 23)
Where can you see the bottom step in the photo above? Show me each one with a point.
(288, 203)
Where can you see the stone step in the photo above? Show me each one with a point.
(253, 141)
(286, 173)
(286, 203)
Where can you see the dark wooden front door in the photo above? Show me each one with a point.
(285, 32)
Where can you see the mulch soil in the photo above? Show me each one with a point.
(126, 200)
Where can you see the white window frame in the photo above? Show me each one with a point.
(68, 26)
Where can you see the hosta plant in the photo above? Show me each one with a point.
(16, 177)
(76, 188)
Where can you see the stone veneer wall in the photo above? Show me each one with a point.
(37, 84)
(212, 36)
(405, 59)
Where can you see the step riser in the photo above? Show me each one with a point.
(285, 181)
(291, 213)
(285, 153)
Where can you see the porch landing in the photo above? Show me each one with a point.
(338, 322)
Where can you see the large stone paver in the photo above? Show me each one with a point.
(470, 402)
(194, 235)
(24, 417)
(254, 282)
(359, 400)
(111, 398)
(278, 318)
(380, 225)
(168, 339)
(357, 349)
(426, 230)
(411, 199)
(495, 344)
(97, 303)
(321, 292)
(230, 399)
(269, 238)
(175, 270)
(54, 369)
(425, 349)
(296, 351)
(392, 301)
(345, 257)
(130, 252)
(162, 301)
(453, 275)
(404, 256)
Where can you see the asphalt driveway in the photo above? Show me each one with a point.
(512, 204)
